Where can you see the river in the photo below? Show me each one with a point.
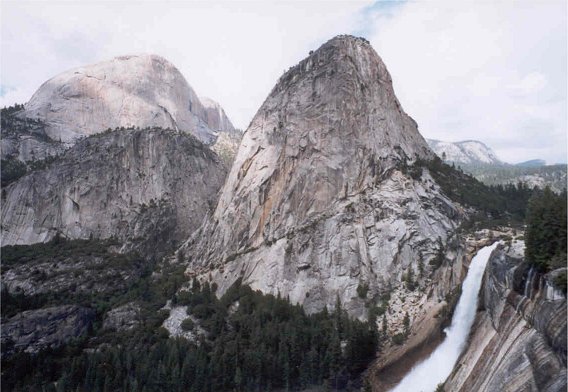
(434, 370)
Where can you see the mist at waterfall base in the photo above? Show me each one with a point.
(426, 376)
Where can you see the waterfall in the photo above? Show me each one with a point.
(425, 376)
(528, 283)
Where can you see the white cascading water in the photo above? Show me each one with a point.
(426, 376)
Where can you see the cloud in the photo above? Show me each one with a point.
(230, 51)
(493, 71)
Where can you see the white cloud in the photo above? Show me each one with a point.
(464, 70)
(493, 71)
(531, 84)
(230, 51)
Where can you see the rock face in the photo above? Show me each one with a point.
(25, 140)
(34, 330)
(127, 91)
(123, 318)
(84, 268)
(518, 341)
(315, 205)
(465, 152)
(148, 188)
(227, 145)
(215, 116)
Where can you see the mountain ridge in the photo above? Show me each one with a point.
(465, 151)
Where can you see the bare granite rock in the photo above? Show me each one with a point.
(122, 318)
(33, 330)
(215, 117)
(148, 188)
(316, 203)
(227, 145)
(518, 341)
(127, 91)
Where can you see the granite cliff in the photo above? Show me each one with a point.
(518, 342)
(127, 91)
(317, 205)
(136, 91)
(147, 188)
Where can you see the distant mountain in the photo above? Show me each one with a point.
(126, 91)
(553, 176)
(479, 160)
(532, 163)
(467, 151)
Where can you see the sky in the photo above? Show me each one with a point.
(493, 71)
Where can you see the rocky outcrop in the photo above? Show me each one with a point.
(70, 268)
(127, 91)
(25, 140)
(122, 318)
(518, 342)
(33, 330)
(147, 188)
(215, 117)
(227, 145)
(315, 205)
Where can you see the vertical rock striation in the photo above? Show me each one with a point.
(215, 116)
(518, 341)
(315, 204)
(148, 188)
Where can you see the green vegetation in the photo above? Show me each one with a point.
(554, 175)
(546, 230)
(11, 170)
(561, 282)
(57, 248)
(247, 340)
(263, 343)
(401, 337)
(95, 257)
(438, 260)
(14, 126)
(408, 279)
(187, 324)
(362, 290)
(500, 204)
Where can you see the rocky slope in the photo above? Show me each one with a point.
(215, 116)
(518, 341)
(553, 176)
(34, 330)
(147, 188)
(24, 139)
(315, 206)
(465, 152)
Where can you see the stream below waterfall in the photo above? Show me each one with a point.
(435, 369)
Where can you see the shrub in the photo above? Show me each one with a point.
(560, 282)
(399, 338)
(187, 324)
(362, 290)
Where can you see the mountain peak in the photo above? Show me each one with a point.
(139, 90)
(330, 133)
(464, 152)
(343, 53)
